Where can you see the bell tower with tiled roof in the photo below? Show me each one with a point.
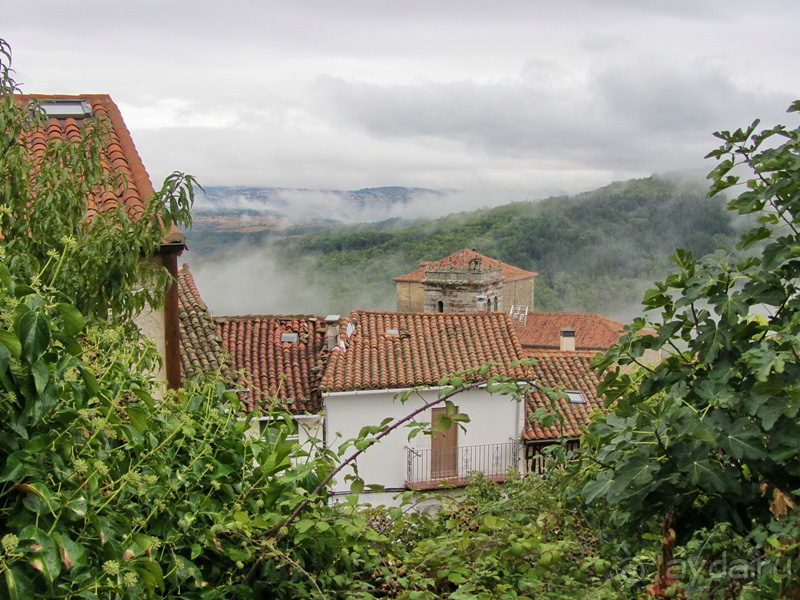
(465, 281)
(462, 286)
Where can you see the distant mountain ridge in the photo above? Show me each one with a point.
(249, 209)
(252, 200)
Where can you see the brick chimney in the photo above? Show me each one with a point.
(567, 339)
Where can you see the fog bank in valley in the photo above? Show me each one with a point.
(298, 207)
(247, 280)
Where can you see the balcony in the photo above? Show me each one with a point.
(428, 469)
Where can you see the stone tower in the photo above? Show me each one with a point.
(464, 281)
(475, 287)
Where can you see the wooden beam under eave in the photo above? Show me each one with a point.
(172, 346)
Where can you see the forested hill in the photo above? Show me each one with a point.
(595, 251)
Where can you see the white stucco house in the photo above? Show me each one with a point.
(379, 355)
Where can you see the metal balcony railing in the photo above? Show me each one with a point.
(429, 469)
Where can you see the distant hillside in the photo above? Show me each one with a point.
(249, 209)
(217, 200)
(595, 251)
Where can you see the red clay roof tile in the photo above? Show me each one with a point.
(426, 347)
(592, 331)
(461, 260)
(201, 346)
(569, 371)
(275, 369)
(120, 153)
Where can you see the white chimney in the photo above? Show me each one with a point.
(332, 337)
(567, 339)
(332, 333)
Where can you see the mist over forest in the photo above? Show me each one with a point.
(248, 209)
(597, 251)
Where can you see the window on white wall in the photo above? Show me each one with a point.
(265, 424)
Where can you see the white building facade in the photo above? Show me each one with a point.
(488, 444)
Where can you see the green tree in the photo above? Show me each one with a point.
(98, 263)
(710, 435)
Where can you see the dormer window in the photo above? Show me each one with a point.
(575, 396)
(66, 109)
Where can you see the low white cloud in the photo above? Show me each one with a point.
(290, 208)
(176, 113)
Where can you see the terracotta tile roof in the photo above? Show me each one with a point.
(287, 370)
(461, 260)
(390, 350)
(592, 331)
(571, 371)
(120, 154)
(201, 346)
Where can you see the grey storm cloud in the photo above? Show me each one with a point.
(597, 122)
(520, 96)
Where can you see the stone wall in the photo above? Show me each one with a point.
(458, 289)
(518, 292)
(410, 296)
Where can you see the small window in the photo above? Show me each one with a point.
(392, 332)
(440, 306)
(63, 109)
(289, 337)
(294, 433)
(575, 397)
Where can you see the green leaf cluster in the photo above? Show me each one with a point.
(50, 235)
(518, 540)
(709, 437)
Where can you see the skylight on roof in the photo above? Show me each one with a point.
(63, 109)
(575, 397)
(289, 337)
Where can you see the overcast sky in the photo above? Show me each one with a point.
(522, 97)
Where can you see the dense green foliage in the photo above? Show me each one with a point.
(518, 540)
(707, 440)
(595, 251)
